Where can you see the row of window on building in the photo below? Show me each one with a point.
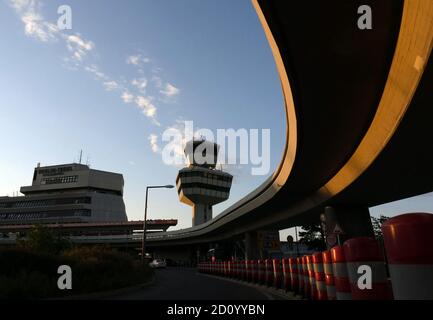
(207, 175)
(45, 202)
(56, 180)
(45, 214)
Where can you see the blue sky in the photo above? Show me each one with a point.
(127, 71)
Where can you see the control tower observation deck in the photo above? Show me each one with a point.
(201, 185)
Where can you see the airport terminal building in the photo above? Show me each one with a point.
(68, 193)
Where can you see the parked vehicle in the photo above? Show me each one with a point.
(158, 263)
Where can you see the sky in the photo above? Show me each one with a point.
(126, 72)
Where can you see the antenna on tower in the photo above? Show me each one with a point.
(81, 155)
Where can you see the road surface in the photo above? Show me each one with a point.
(186, 284)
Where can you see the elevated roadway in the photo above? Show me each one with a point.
(358, 106)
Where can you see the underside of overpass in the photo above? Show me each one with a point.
(358, 105)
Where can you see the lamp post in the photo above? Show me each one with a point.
(143, 242)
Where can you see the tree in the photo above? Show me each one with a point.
(313, 237)
(42, 239)
(377, 226)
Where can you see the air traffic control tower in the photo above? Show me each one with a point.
(201, 185)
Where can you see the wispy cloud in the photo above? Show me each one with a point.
(153, 138)
(111, 85)
(140, 84)
(127, 97)
(137, 59)
(81, 56)
(34, 24)
(170, 90)
(146, 106)
(78, 46)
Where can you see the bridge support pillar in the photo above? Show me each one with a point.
(251, 246)
(344, 222)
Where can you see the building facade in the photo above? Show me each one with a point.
(64, 194)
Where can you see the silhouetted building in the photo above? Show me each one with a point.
(66, 193)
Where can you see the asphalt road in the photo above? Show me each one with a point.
(186, 284)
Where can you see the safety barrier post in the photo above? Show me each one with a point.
(300, 275)
(329, 275)
(269, 272)
(307, 287)
(341, 277)
(367, 269)
(278, 274)
(294, 276)
(319, 275)
(311, 277)
(408, 244)
(286, 274)
(254, 271)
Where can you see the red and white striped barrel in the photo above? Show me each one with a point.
(294, 277)
(249, 270)
(243, 270)
(254, 271)
(300, 275)
(319, 275)
(261, 271)
(235, 269)
(329, 275)
(311, 277)
(286, 274)
(307, 287)
(341, 276)
(278, 273)
(409, 248)
(364, 252)
(269, 272)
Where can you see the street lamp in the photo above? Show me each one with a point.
(143, 242)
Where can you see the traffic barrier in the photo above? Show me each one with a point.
(236, 269)
(409, 249)
(261, 271)
(305, 276)
(286, 274)
(341, 277)
(300, 275)
(311, 277)
(329, 275)
(319, 275)
(278, 273)
(294, 277)
(361, 252)
(248, 274)
(242, 270)
(269, 272)
(254, 271)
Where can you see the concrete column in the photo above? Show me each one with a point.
(201, 213)
(251, 246)
(344, 222)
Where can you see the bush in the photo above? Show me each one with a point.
(26, 274)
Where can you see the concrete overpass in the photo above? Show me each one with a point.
(358, 106)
